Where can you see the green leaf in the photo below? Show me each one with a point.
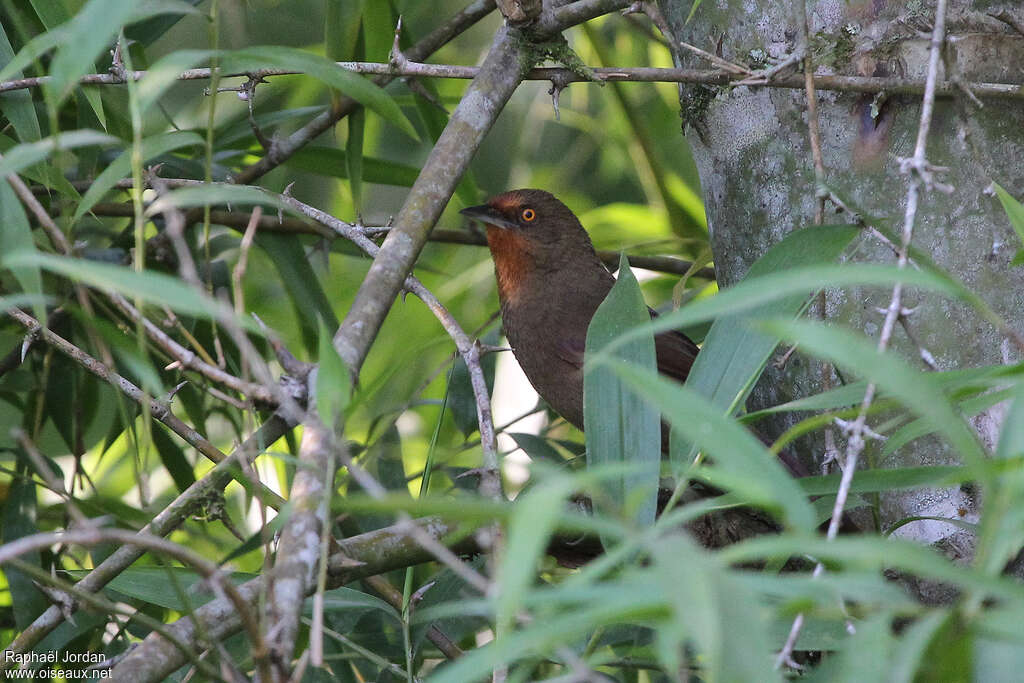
(17, 105)
(154, 586)
(1014, 211)
(529, 532)
(333, 382)
(354, 156)
(712, 610)
(851, 664)
(620, 427)
(756, 293)
(538, 448)
(53, 13)
(259, 538)
(292, 59)
(16, 235)
(173, 457)
(30, 153)
(328, 161)
(917, 391)
(378, 30)
(752, 470)
(345, 599)
(921, 427)
(219, 193)
(91, 31)
(121, 166)
(19, 520)
(734, 354)
(875, 553)
(150, 30)
(341, 28)
(872, 481)
(300, 280)
(164, 73)
(33, 50)
(1002, 522)
(155, 288)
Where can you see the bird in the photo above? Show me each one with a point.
(550, 283)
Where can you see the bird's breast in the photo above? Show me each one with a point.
(513, 262)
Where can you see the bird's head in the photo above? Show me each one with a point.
(530, 231)
(533, 221)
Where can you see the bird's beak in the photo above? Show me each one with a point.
(489, 215)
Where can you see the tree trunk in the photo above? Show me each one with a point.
(752, 148)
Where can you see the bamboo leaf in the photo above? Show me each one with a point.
(155, 288)
(621, 427)
(91, 31)
(355, 86)
(917, 391)
(752, 470)
(1015, 212)
(203, 195)
(121, 166)
(28, 154)
(734, 353)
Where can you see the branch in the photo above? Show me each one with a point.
(240, 219)
(342, 106)
(562, 76)
(209, 570)
(188, 360)
(166, 521)
(365, 555)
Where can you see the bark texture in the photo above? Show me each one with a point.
(751, 146)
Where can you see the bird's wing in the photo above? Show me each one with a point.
(570, 349)
(676, 353)
(674, 350)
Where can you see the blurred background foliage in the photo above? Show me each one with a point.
(615, 155)
(598, 156)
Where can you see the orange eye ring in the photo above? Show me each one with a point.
(528, 215)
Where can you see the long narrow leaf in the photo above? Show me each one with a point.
(353, 85)
(755, 471)
(121, 166)
(622, 428)
(917, 391)
(734, 353)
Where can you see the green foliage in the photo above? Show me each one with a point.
(654, 604)
(622, 428)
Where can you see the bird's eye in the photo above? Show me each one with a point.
(528, 215)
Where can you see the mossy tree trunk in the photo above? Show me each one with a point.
(751, 146)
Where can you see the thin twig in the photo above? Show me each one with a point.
(158, 409)
(187, 360)
(860, 84)
(288, 225)
(210, 570)
(1009, 19)
(44, 471)
(919, 172)
(368, 554)
(165, 521)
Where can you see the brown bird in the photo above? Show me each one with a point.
(550, 283)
